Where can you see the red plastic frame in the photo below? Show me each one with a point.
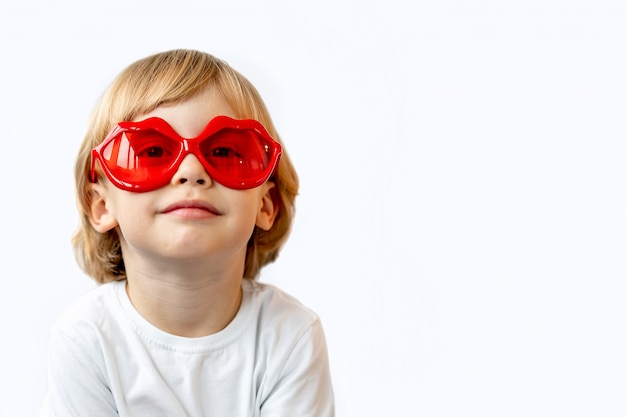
(263, 153)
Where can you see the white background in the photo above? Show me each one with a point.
(460, 228)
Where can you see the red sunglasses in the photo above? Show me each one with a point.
(143, 156)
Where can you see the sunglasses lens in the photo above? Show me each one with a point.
(140, 158)
(236, 156)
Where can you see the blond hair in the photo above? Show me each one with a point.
(166, 78)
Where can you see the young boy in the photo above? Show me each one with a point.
(184, 195)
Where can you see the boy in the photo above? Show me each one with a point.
(184, 194)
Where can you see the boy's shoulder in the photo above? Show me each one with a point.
(89, 309)
(276, 308)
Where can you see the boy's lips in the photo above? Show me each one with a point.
(190, 206)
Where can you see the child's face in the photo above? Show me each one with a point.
(192, 217)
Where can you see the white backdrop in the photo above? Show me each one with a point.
(460, 228)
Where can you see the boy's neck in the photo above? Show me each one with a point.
(186, 306)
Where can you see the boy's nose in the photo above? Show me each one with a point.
(192, 171)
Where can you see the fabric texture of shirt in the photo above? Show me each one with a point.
(105, 360)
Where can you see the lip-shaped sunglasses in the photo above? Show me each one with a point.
(143, 156)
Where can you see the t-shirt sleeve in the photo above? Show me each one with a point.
(77, 384)
(303, 387)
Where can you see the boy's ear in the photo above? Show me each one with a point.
(101, 219)
(268, 208)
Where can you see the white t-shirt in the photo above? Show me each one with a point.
(106, 360)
